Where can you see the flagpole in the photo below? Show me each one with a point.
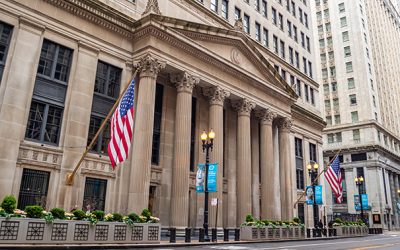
(316, 178)
(70, 176)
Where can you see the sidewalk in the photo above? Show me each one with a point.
(163, 244)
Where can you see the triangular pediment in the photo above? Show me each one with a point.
(232, 47)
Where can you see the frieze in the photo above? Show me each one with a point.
(36, 155)
(97, 166)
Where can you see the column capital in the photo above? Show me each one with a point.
(285, 124)
(149, 66)
(243, 106)
(184, 82)
(265, 115)
(216, 95)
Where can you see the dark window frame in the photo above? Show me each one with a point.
(158, 108)
(34, 188)
(94, 197)
(4, 45)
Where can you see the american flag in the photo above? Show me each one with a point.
(334, 177)
(121, 127)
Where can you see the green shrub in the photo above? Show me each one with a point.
(58, 213)
(9, 204)
(117, 217)
(146, 213)
(338, 220)
(79, 214)
(99, 214)
(249, 218)
(34, 211)
(297, 220)
(134, 217)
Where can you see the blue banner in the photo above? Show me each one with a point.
(212, 177)
(310, 195)
(364, 200)
(318, 195)
(200, 175)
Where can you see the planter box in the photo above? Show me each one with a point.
(248, 233)
(350, 230)
(37, 231)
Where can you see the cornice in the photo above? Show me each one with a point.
(307, 116)
(99, 13)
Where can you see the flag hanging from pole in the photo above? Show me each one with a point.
(122, 127)
(334, 177)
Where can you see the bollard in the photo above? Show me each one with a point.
(201, 234)
(308, 233)
(214, 235)
(172, 235)
(226, 234)
(188, 234)
(237, 234)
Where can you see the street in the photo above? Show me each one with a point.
(389, 240)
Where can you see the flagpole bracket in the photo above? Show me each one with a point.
(70, 179)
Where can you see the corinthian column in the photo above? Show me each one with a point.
(270, 203)
(148, 68)
(243, 107)
(286, 182)
(180, 172)
(217, 97)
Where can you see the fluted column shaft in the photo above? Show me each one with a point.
(285, 170)
(270, 204)
(244, 108)
(180, 172)
(396, 188)
(217, 97)
(255, 168)
(148, 68)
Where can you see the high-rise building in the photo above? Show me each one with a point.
(245, 69)
(358, 45)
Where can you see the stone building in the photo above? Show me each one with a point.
(359, 79)
(199, 67)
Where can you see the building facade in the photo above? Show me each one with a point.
(243, 69)
(360, 101)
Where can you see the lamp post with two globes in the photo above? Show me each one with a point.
(312, 168)
(359, 182)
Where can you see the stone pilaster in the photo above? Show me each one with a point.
(270, 203)
(148, 68)
(180, 172)
(393, 194)
(397, 200)
(243, 107)
(217, 97)
(286, 181)
(17, 98)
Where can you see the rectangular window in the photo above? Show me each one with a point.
(336, 102)
(257, 2)
(291, 55)
(306, 20)
(193, 134)
(45, 116)
(328, 27)
(374, 101)
(323, 57)
(5, 37)
(258, 30)
(283, 74)
(320, 30)
(312, 96)
(331, 56)
(288, 5)
(280, 21)
(306, 92)
(330, 138)
(238, 13)
(295, 33)
(329, 120)
(214, 5)
(282, 44)
(155, 153)
(308, 44)
(356, 134)
(319, 16)
(345, 36)
(334, 86)
(275, 44)
(341, 8)
(264, 8)
(297, 59)
(354, 116)
(298, 88)
(350, 83)
(301, 15)
(293, 9)
(338, 137)
(303, 41)
(326, 13)
(337, 119)
(246, 23)
(343, 22)
(349, 67)
(347, 51)
(332, 71)
(33, 189)
(326, 88)
(106, 91)
(224, 8)
(321, 43)
(289, 28)
(310, 72)
(265, 38)
(94, 197)
(313, 152)
(274, 18)
(299, 163)
(305, 65)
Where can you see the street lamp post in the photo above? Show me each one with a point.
(208, 142)
(312, 168)
(359, 182)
